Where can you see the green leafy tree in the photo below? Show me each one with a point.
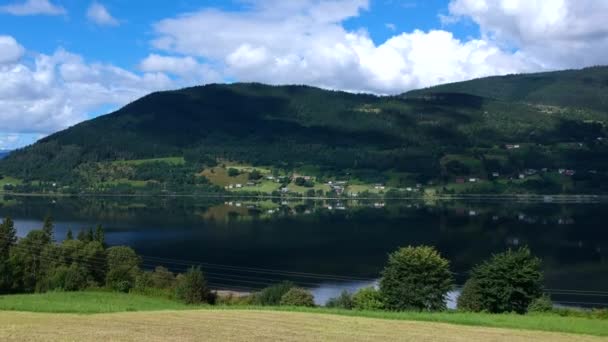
(298, 297)
(416, 278)
(368, 298)
(162, 278)
(343, 301)
(123, 268)
(192, 287)
(541, 304)
(232, 172)
(255, 175)
(29, 266)
(272, 295)
(508, 282)
(8, 239)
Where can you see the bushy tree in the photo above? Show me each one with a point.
(470, 298)
(298, 297)
(8, 238)
(343, 301)
(272, 295)
(123, 267)
(368, 298)
(162, 278)
(192, 287)
(29, 265)
(508, 282)
(416, 278)
(541, 304)
(232, 172)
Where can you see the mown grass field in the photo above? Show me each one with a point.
(99, 315)
(248, 325)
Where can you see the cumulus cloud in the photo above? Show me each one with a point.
(58, 90)
(98, 14)
(305, 42)
(557, 33)
(10, 50)
(188, 68)
(33, 7)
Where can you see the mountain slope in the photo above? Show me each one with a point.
(432, 134)
(586, 88)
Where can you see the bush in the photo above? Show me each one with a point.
(416, 278)
(508, 282)
(192, 287)
(470, 297)
(368, 298)
(272, 295)
(162, 278)
(541, 304)
(298, 297)
(343, 301)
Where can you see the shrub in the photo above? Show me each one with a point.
(192, 287)
(162, 278)
(298, 297)
(368, 298)
(470, 297)
(541, 304)
(416, 278)
(508, 282)
(272, 295)
(343, 301)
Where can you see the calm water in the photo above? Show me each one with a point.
(329, 246)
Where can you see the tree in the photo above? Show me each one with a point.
(272, 295)
(298, 297)
(162, 278)
(368, 298)
(416, 278)
(508, 282)
(255, 175)
(123, 267)
(69, 235)
(192, 287)
(232, 172)
(48, 227)
(343, 301)
(8, 239)
(29, 266)
(99, 235)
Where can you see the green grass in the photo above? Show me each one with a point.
(86, 302)
(90, 302)
(9, 180)
(168, 160)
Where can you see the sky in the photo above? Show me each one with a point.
(65, 61)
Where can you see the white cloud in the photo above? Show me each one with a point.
(58, 90)
(10, 50)
(33, 7)
(556, 33)
(188, 68)
(305, 42)
(98, 14)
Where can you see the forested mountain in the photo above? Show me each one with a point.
(556, 120)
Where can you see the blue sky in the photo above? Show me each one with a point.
(64, 61)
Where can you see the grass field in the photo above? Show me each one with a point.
(168, 160)
(248, 325)
(98, 303)
(86, 302)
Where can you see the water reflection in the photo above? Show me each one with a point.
(348, 239)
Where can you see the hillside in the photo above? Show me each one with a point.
(555, 120)
(4, 153)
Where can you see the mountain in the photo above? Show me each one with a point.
(432, 134)
(4, 153)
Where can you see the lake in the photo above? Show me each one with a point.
(246, 244)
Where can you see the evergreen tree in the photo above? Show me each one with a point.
(82, 236)
(69, 235)
(48, 227)
(99, 235)
(90, 236)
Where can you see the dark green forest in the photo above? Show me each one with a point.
(494, 129)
